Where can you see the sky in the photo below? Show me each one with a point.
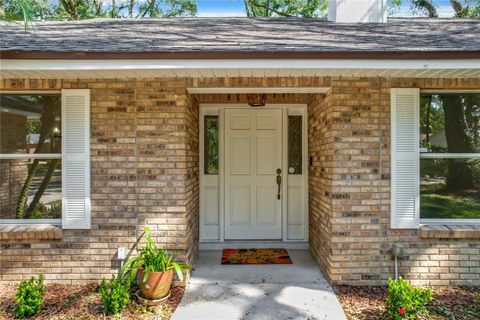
(235, 8)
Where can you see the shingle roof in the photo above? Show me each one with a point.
(242, 35)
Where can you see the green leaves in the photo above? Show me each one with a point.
(405, 301)
(115, 295)
(151, 258)
(29, 297)
(285, 8)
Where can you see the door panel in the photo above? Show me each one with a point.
(253, 153)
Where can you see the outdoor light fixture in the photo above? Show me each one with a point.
(397, 250)
(257, 99)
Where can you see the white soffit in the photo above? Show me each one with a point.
(98, 69)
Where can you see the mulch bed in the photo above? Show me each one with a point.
(449, 303)
(64, 302)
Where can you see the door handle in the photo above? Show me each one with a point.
(279, 181)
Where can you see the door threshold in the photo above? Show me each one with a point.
(253, 244)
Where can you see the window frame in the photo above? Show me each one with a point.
(446, 155)
(11, 156)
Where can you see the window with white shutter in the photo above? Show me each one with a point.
(76, 159)
(405, 197)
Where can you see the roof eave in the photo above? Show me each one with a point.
(361, 55)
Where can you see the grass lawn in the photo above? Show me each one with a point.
(449, 303)
(446, 206)
(83, 302)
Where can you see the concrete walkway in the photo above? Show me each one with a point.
(251, 292)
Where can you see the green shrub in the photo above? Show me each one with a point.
(29, 297)
(115, 295)
(55, 210)
(405, 301)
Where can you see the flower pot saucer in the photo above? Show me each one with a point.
(151, 303)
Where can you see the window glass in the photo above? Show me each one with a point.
(295, 154)
(211, 144)
(450, 156)
(41, 200)
(30, 186)
(450, 188)
(450, 123)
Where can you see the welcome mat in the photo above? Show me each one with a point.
(255, 256)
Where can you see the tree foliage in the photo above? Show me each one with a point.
(90, 9)
(429, 8)
(285, 8)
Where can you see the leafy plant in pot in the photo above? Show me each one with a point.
(153, 267)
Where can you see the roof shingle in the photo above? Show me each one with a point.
(242, 35)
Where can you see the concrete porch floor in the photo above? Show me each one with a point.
(231, 292)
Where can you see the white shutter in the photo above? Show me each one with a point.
(405, 157)
(76, 159)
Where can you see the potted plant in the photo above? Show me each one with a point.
(153, 268)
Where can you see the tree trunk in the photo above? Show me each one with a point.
(47, 121)
(43, 186)
(427, 124)
(460, 175)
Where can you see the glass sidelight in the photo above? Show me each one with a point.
(211, 144)
(295, 154)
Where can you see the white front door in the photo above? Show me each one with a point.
(253, 154)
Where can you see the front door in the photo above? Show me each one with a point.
(253, 160)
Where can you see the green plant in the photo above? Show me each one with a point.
(55, 210)
(405, 301)
(39, 211)
(115, 294)
(29, 297)
(151, 258)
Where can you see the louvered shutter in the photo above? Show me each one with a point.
(75, 159)
(405, 157)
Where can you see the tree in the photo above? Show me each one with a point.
(285, 8)
(460, 175)
(31, 10)
(462, 8)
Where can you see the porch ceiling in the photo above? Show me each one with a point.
(98, 69)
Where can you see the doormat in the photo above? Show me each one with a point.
(255, 256)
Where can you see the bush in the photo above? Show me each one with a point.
(405, 301)
(29, 297)
(115, 295)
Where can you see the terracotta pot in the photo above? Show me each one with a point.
(157, 284)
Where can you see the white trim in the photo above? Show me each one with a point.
(426, 155)
(39, 92)
(218, 109)
(56, 222)
(437, 222)
(284, 174)
(174, 64)
(234, 90)
(443, 91)
(289, 245)
(7, 156)
(397, 222)
(46, 156)
(75, 221)
(245, 105)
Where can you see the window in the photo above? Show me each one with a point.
(295, 153)
(30, 162)
(450, 156)
(211, 144)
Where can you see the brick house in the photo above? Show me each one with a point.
(150, 122)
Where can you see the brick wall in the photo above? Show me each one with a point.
(350, 192)
(144, 160)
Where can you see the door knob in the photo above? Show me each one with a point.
(279, 181)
